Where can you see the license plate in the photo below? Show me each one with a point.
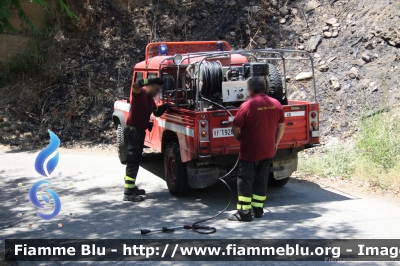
(222, 132)
(293, 114)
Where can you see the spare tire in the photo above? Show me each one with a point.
(275, 86)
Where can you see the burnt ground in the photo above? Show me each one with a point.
(355, 46)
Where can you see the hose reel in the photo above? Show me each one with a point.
(210, 79)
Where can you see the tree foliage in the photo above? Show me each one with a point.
(6, 7)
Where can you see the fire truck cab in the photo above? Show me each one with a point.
(205, 82)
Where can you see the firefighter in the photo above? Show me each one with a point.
(259, 126)
(142, 106)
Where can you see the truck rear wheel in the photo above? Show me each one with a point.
(121, 145)
(175, 171)
(277, 183)
(275, 86)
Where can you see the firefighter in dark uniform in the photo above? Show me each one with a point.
(259, 126)
(142, 106)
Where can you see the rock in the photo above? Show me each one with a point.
(204, 14)
(369, 46)
(306, 36)
(353, 73)
(323, 68)
(232, 3)
(366, 58)
(13, 127)
(274, 3)
(262, 41)
(284, 11)
(331, 21)
(298, 95)
(331, 59)
(311, 5)
(301, 47)
(252, 9)
(294, 11)
(5, 122)
(313, 43)
(336, 25)
(28, 135)
(232, 33)
(335, 34)
(327, 34)
(282, 21)
(334, 81)
(364, 83)
(288, 78)
(304, 76)
(6, 129)
(325, 28)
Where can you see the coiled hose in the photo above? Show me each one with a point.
(210, 78)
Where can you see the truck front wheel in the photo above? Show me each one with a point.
(175, 171)
(121, 145)
(277, 183)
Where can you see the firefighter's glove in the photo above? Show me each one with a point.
(161, 109)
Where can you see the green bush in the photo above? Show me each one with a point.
(23, 64)
(7, 5)
(379, 140)
(373, 155)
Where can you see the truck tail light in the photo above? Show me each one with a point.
(204, 138)
(314, 126)
(313, 114)
(203, 130)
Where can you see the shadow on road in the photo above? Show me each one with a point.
(93, 206)
(154, 163)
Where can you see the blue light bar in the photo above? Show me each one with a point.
(162, 49)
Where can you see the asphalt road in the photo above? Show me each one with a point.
(90, 185)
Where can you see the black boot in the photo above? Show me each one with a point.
(133, 197)
(258, 212)
(139, 191)
(134, 190)
(241, 216)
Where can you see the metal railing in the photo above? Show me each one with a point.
(279, 53)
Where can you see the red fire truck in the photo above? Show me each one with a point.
(206, 83)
